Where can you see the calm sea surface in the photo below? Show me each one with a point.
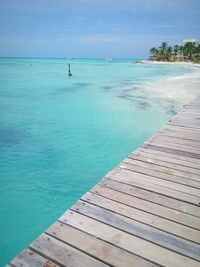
(60, 135)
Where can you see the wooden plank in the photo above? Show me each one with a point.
(187, 119)
(153, 165)
(176, 140)
(185, 125)
(172, 144)
(132, 165)
(172, 158)
(152, 197)
(191, 111)
(95, 247)
(131, 243)
(181, 128)
(145, 205)
(192, 121)
(162, 172)
(180, 135)
(163, 162)
(189, 122)
(192, 157)
(62, 253)
(166, 143)
(187, 114)
(192, 152)
(138, 229)
(175, 127)
(161, 186)
(28, 258)
(193, 105)
(184, 118)
(144, 217)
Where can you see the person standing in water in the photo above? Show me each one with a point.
(69, 72)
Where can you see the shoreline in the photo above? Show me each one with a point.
(182, 88)
(182, 63)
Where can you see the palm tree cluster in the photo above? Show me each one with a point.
(190, 51)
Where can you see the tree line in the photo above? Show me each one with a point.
(190, 51)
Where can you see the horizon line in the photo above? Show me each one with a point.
(73, 58)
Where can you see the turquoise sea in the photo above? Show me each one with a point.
(60, 135)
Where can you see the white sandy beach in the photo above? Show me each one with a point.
(183, 88)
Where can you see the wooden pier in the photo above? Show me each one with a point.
(144, 213)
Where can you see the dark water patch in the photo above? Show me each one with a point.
(171, 109)
(143, 105)
(139, 102)
(82, 84)
(169, 106)
(127, 80)
(134, 88)
(125, 97)
(139, 97)
(136, 97)
(107, 88)
(126, 83)
(127, 90)
(171, 112)
(10, 136)
(144, 97)
(70, 88)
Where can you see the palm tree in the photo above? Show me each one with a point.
(168, 53)
(176, 49)
(180, 49)
(163, 50)
(197, 49)
(154, 52)
(189, 49)
(196, 55)
(163, 46)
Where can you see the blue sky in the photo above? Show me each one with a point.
(94, 28)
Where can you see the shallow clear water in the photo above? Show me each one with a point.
(60, 135)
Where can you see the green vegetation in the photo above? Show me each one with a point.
(190, 51)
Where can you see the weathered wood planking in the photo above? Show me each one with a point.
(30, 258)
(143, 168)
(130, 200)
(163, 162)
(170, 157)
(152, 197)
(93, 246)
(144, 217)
(174, 173)
(145, 212)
